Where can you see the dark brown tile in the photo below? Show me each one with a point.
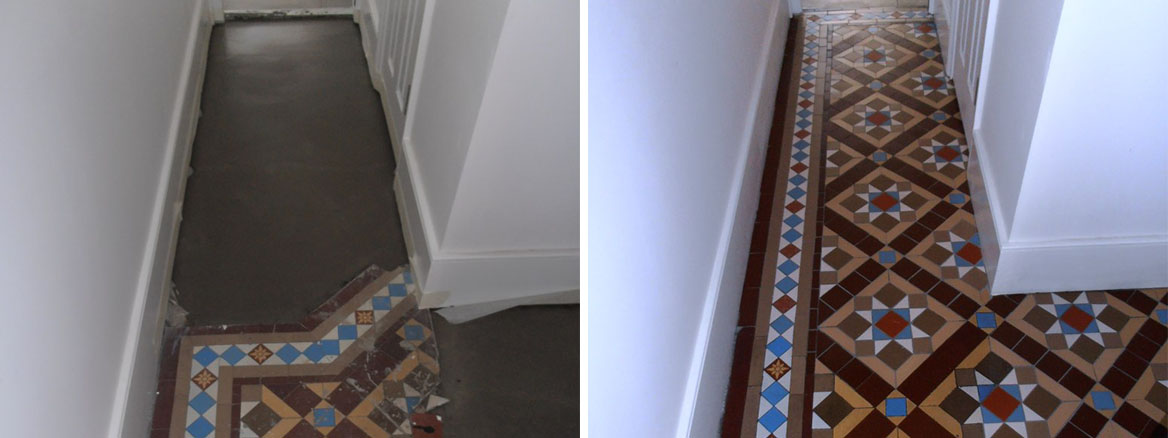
(1089, 420)
(1009, 336)
(1131, 419)
(1053, 366)
(1077, 382)
(1118, 382)
(874, 390)
(919, 424)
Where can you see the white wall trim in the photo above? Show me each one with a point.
(1092, 264)
(138, 373)
(986, 205)
(215, 8)
(709, 370)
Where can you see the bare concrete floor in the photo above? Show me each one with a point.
(512, 374)
(291, 194)
(835, 5)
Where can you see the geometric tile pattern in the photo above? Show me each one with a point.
(880, 321)
(357, 367)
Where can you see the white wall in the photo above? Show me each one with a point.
(680, 100)
(1022, 42)
(1070, 157)
(523, 166)
(88, 125)
(1104, 142)
(490, 182)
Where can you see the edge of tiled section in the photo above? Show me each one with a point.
(210, 363)
(786, 314)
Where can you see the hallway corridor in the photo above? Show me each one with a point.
(866, 312)
(292, 187)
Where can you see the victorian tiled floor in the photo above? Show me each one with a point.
(873, 317)
(361, 365)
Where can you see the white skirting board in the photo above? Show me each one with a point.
(134, 402)
(1081, 264)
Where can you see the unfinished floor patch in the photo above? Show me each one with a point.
(358, 366)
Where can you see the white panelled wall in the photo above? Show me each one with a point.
(483, 105)
(1069, 172)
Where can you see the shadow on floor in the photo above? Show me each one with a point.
(511, 374)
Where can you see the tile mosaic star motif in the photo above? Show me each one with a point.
(878, 322)
(357, 367)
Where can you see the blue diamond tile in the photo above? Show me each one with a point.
(772, 420)
(324, 417)
(796, 193)
(288, 353)
(408, 277)
(397, 290)
(788, 267)
(347, 331)
(986, 320)
(781, 324)
(804, 113)
(779, 346)
(803, 123)
(879, 157)
(206, 356)
(793, 220)
(233, 355)
(1103, 400)
(1162, 315)
(957, 198)
(802, 144)
(775, 393)
(799, 156)
(410, 403)
(792, 235)
(797, 179)
(786, 284)
(200, 428)
(895, 407)
(887, 256)
(202, 402)
(414, 332)
(382, 303)
(331, 347)
(314, 352)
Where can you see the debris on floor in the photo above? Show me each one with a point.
(359, 366)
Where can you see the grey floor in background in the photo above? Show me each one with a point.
(511, 374)
(292, 190)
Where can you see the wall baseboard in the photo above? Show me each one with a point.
(1082, 264)
(1090, 264)
(134, 403)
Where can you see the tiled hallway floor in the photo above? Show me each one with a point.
(358, 367)
(873, 318)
